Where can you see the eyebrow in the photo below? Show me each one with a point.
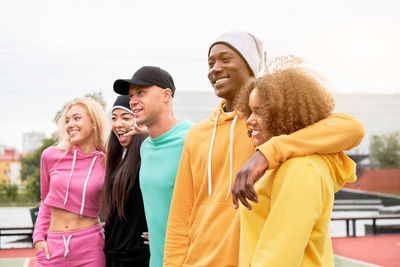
(223, 53)
(137, 87)
(74, 114)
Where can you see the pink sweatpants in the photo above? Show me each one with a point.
(75, 248)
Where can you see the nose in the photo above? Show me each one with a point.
(214, 69)
(118, 122)
(132, 102)
(69, 124)
(250, 120)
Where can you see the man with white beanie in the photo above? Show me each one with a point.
(203, 226)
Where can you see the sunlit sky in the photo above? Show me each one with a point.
(52, 51)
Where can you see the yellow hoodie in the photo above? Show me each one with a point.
(289, 226)
(203, 226)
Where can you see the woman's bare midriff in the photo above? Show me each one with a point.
(62, 220)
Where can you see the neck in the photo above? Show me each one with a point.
(87, 148)
(228, 106)
(163, 125)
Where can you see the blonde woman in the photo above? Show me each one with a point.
(67, 230)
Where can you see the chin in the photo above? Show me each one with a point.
(258, 142)
(221, 94)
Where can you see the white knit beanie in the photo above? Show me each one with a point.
(248, 46)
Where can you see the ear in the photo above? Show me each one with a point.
(167, 93)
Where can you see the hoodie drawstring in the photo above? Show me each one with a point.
(66, 244)
(210, 154)
(85, 185)
(230, 155)
(70, 175)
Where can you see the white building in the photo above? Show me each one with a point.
(379, 113)
(31, 141)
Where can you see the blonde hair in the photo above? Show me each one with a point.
(97, 116)
(291, 99)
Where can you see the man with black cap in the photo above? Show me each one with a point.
(151, 90)
(203, 226)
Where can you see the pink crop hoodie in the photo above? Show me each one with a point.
(72, 182)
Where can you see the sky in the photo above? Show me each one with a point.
(52, 51)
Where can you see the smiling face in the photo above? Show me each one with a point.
(79, 125)
(120, 120)
(255, 122)
(146, 103)
(227, 71)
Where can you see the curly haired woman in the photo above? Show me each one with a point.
(289, 224)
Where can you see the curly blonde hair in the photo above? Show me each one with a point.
(291, 98)
(96, 114)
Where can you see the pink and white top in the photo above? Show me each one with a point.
(72, 182)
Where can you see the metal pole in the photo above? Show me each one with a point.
(374, 226)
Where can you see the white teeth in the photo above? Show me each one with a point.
(221, 80)
(120, 133)
(136, 110)
(73, 132)
(255, 132)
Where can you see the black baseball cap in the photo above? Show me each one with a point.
(146, 76)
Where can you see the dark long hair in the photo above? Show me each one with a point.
(116, 193)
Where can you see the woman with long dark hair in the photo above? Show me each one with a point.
(125, 223)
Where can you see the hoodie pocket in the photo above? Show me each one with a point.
(214, 235)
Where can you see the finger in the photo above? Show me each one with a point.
(130, 133)
(242, 191)
(235, 192)
(244, 202)
(38, 246)
(250, 193)
(140, 129)
(234, 199)
(46, 251)
(253, 194)
(146, 242)
(145, 235)
(129, 123)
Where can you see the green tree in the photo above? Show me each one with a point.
(9, 192)
(98, 96)
(31, 161)
(30, 169)
(385, 150)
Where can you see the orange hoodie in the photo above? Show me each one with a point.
(203, 226)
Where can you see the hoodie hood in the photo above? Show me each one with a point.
(81, 155)
(342, 169)
(223, 116)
